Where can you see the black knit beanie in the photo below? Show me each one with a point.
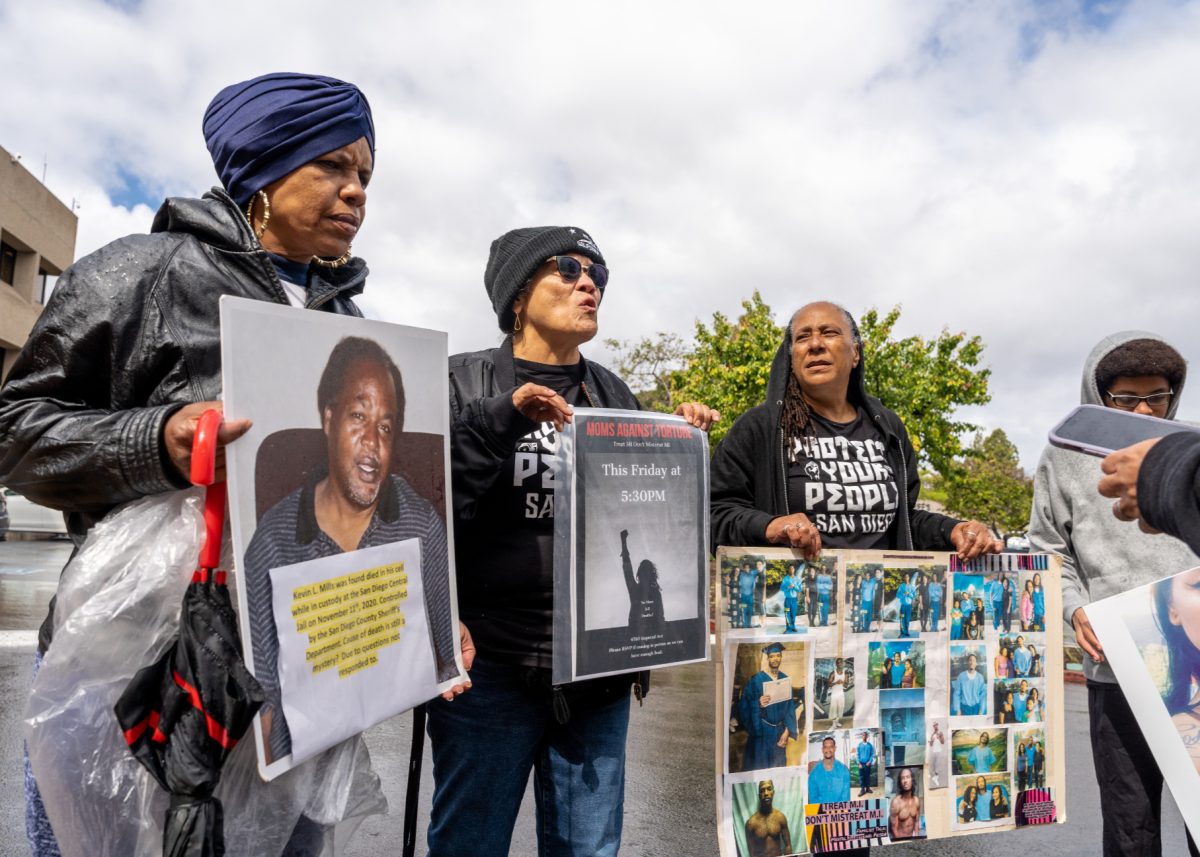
(517, 254)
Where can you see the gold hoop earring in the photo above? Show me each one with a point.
(517, 324)
(334, 263)
(262, 194)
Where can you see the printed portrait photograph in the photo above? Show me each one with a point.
(906, 808)
(768, 815)
(969, 606)
(1151, 638)
(864, 597)
(343, 470)
(1019, 700)
(979, 751)
(820, 585)
(843, 764)
(1170, 649)
(775, 595)
(1003, 601)
(902, 718)
(981, 799)
(896, 664)
(1029, 758)
(914, 601)
(833, 692)
(767, 704)
(1019, 655)
(937, 752)
(1031, 602)
(968, 680)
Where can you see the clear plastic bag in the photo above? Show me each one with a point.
(117, 610)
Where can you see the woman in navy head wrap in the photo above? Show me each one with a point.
(296, 152)
(101, 405)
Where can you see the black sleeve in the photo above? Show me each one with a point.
(1168, 487)
(65, 441)
(930, 531)
(733, 483)
(483, 433)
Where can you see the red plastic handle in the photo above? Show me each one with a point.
(204, 467)
(204, 448)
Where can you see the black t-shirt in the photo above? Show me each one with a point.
(508, 559)
(840, 477)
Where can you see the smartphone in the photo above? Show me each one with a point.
(1097, 430)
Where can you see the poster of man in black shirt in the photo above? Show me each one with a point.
(631, 558)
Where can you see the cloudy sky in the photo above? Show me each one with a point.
(1029, 172)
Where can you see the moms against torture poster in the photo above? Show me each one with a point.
(631, 544)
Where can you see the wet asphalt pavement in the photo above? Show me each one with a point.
(670, 805)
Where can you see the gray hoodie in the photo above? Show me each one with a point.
(1101, 555)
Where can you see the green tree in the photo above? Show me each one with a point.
(648, 365)
(729, 363)
(924, 381)
(990, 486)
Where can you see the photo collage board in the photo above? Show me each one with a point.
(872, 697)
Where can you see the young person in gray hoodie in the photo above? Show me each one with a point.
(1101, 556)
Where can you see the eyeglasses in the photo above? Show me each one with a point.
(571, 269)
(1128, 401)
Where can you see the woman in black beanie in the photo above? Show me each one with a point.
(546, 285)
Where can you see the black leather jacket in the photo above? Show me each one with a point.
(129, 336)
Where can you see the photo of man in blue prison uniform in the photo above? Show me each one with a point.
(1019, 702)
(897, 674)
(1022, 659)
(995, 592)
(746, 583)
(981, 758)
(867, 605)
(824, 591)
(907, 595)
(790, 587)
(866, 764)
(768, 724)
(983, 809)
(935, 601)
(829, 781)
(969, 694)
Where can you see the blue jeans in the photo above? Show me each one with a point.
(37, 824)
(486, 742)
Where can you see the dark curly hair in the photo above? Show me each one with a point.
(1140, 357)
(797, 415)
(348, 351)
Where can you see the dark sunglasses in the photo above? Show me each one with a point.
(571, 269)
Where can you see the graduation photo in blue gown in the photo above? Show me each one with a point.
(767, 708)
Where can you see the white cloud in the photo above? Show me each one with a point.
(1010, 170)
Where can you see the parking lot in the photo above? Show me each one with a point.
(670, 806)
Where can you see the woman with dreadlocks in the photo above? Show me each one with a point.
(821, 463)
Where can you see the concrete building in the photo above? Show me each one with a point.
(37, 241)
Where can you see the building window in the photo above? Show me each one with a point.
(8, 263)
(48, 281)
